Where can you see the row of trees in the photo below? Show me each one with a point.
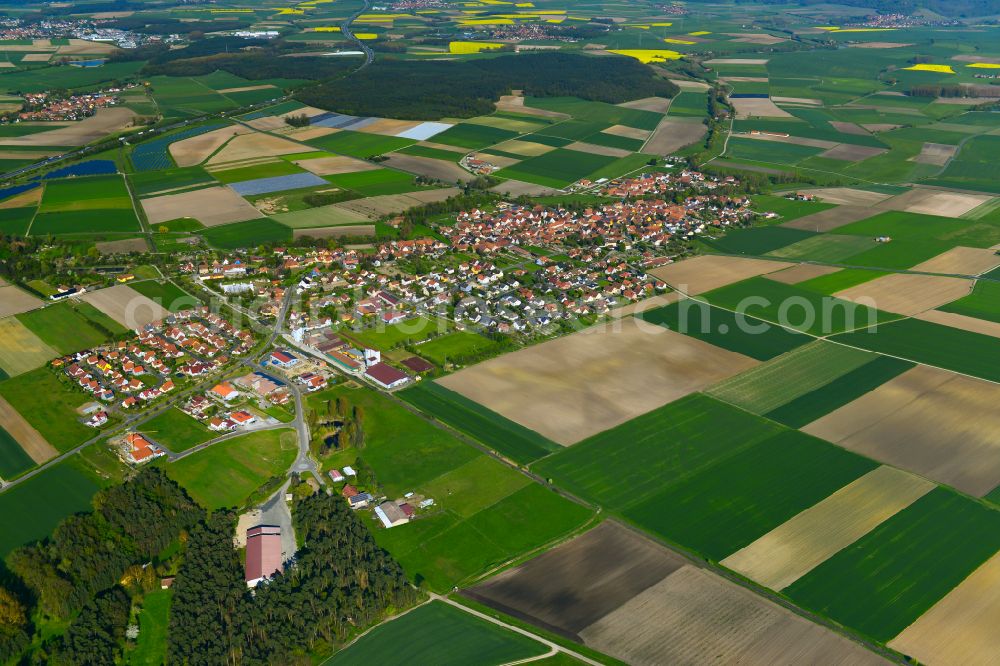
(341, 582)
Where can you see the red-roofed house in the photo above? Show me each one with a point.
(225, 391)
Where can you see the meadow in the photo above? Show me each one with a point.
(438, 633)
(32, 509)
(891, 576)
(151, 646)
(454, 346)
(497, 432)
(246, 234)
(227, 473)
(69, 327)
(177, 431)
(55, 417)
(410, 331)
(13, 460)
(166, 294)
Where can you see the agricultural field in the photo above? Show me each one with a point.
(13, 460)
(20, 349)
(55, 417)
(70, 326)
(166, 294)
(557, 168)
(982, 303)
(247, 234)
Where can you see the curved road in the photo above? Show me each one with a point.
(345, 30)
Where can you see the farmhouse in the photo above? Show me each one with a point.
(263, 553)
(386, 376)
(392, 514)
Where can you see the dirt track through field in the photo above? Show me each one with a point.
(126, 306)
(20, 349)
(694, 617)
(582, 384)
(908, 294)
(24, 434)
(798, 546)
(934, 422)
(14, 300)
(961, 629)
(701, 274)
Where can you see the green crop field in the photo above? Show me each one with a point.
(55, 416)
(359, 144)
(85, 222)
(723, 328)
(70, 327)
(728, 504)
(32, 509)
(440, 634)
(497, 432)
(884, 581)
(933, 344)
(788, 209)
(819, 402)
(432, 153)
(176, 430)
(597, 111)
(654, 450)
(166, 294)
(15, 221)
(982, 303)
(13, 460)
(89, 193)
(151, 646)
(149, 182)
(247, 234)
(557, 168)
(227, 473)
(757, 240)
(453, 347)
(789, 376)
(824, 248)
(845, 278)
(376, 182)
(769, 151)
(473, 136)
(796, 308)
(266, 170)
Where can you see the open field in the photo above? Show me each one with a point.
(962, 261)
(846, 196)
(959, 629)
(196, 149)
(700, 274)
(70, 326)
(13, 460)
(801, 273)
(693, 617)
(101, 124)
(750, 107)
(453, 347)
(832, 248)
(55, 417)
(828, 220)
(982, 303)
(962, 322)
(22, 432)
(796, 547)
(165, 294)
(247, 234)
(333, 165)
(126, 306)
(573, 387)
(176, 431)
(20, 349)
(672, 134)
(931, 421)
(935, 202)
(895, 573)
(249, 146)
(225, 474)
(492, 429)
(14, 300)
(375, 207)
(151, 646)
(567, 589)
(437, 633)
(907, 294)
(211, 206)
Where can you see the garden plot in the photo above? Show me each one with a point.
(832, 218)
(701, 274)
(126, 306)
(801, 273)
(25, 434)
(961, 628)
(672, 134)
(937, 154)
(931, 421)
(211, 206)
(694, 617)
(796, 547)
(576, 386)
(20, 349)
(906, 293)
(852, 153)
(330, 166)
(250, 146)
(963, 322)
(935, 202)
(14, 300)
(196, 149)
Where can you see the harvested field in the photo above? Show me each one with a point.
(694, 86)
(851, 153)
(20, 349)
(248, 146)
(937, 154)
(751, 107)
(961, 628)
(518, 188)
(30, 439)
(448, 172)
(25, 154)
(97, 126)
(376, 207)
(935, 202)
(657, 104)
(325, 216)
(335, 232)
(935, 422)
(266, 86)
(672, 134)
(574, 585)
(963, 322)
(794, 140)
(962, 261)
(515, 104)
(211, 206)
(737, 61)
(126, 306)
(701, 274)
(197, 149)
(809, 101)
(329, 166)
(795, 548)
(82, 46)
(761, 38)
(123, 246)
(309, 133)
(880, 127)
(389, 126)
(23, 200)
(908, 294)
(848, 128)
(877, 45)
(801, 273)
(594, 149)
(36, 57)
(526, 148)
(573, 387)
(13, 300)
(626, 131)
(500, 160)
(846, 196)
(832, 218)
(694, 617)
(270, 124)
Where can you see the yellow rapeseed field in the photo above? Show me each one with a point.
(471, 47)
(649, 55)
(927, 67)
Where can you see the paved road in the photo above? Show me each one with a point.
(345, 30)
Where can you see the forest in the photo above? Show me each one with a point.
(414, 90)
